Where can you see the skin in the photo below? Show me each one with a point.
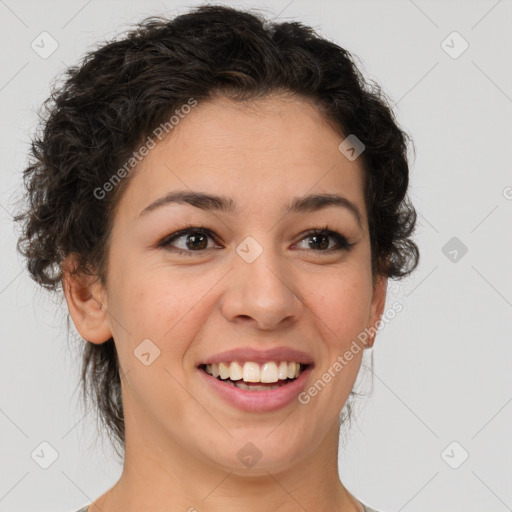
(181, 439)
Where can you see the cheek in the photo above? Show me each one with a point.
(341, 302)
(161, 307)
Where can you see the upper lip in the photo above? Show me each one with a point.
(260, 356)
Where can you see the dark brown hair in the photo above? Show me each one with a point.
(103, 109)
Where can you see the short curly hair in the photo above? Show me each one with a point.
(104, 108)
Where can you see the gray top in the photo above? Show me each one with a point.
(366, 508)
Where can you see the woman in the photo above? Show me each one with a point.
(222, 200)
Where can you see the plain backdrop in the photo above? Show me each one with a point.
(434, 435)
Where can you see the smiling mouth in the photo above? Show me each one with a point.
(252, 376)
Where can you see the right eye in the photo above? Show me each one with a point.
(194, 239)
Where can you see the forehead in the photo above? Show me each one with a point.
(263, 151)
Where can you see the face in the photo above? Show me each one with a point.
(253, 281)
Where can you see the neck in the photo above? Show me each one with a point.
(162, 479)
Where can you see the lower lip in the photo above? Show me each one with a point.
(258, 401)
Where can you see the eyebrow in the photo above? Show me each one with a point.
(211, 202)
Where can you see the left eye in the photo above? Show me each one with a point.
(319, 238)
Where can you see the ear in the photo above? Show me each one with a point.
(377, 305)
(86, 299)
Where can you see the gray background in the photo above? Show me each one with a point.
(442, 367)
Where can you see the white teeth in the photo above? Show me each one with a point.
(212, 369)
(283, 370)
(235, 371)
(269, 372)
(253, 387)
(223, 369)
(252, 372)
(292, 370)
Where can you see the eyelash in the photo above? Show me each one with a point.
(342, 242)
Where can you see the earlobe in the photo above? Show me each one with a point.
(377, 306)
(86, 300)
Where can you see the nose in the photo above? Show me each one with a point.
(261, 294)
